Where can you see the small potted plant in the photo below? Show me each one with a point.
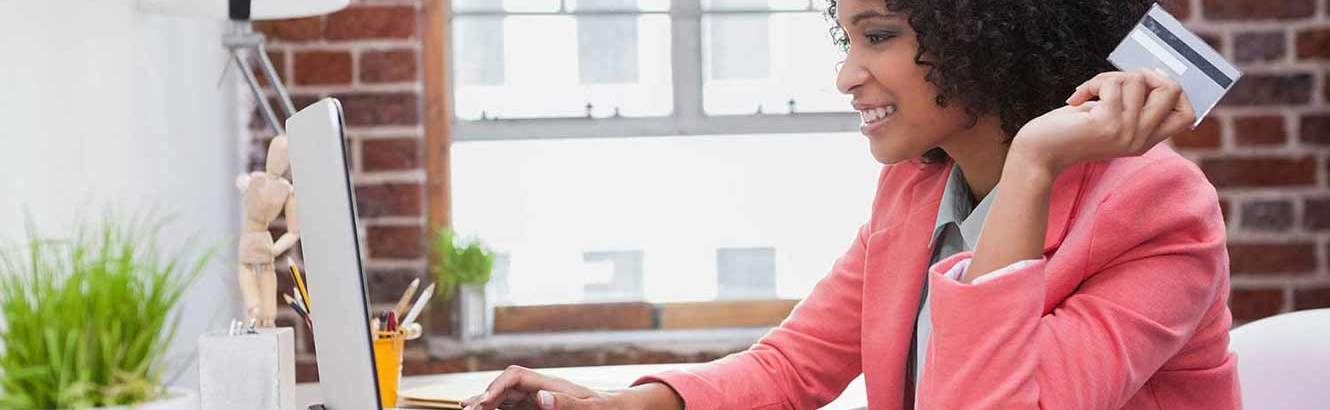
(86, 322)
(465, 266)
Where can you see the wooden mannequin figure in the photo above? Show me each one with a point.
(266, 195)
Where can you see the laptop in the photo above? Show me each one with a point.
(330, 241)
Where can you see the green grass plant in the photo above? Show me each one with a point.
(87, 321)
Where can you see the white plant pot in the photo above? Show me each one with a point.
(176, 399)
(477, 317)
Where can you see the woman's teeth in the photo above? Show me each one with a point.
(873, 115)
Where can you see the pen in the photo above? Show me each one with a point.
(295, 272)
(405, 301)
(420, 305)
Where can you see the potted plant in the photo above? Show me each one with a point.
(86, 322)
(465, 265)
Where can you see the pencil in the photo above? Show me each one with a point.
(290, 301)
(300, 283)
(405, 302)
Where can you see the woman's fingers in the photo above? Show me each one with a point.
(515, 383)
(1109, 110)
(1161, 102)
(1134, 92)
(1090, 88)
(1180, 118)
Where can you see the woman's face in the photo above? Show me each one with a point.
(900, 115)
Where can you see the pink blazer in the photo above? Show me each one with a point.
(1128, 308)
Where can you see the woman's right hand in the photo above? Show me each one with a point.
(520, 388)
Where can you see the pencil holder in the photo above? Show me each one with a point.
(388, 363)
(248, 371)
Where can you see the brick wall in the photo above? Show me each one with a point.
(1265, 149)
(370, 57)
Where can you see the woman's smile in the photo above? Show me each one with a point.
(874, 117)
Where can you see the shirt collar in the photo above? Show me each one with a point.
(958, 207)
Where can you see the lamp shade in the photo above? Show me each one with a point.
(243, 9)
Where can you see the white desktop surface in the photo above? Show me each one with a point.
(854, 397)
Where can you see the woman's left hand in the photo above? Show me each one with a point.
(1134, 111)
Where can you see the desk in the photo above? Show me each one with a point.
(854, 397)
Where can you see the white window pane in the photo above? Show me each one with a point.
(607, 49)
(669, 206)
(738, 47)
(506, 5)
(478, 50)
(799, 64)
(546, 74)
(600, 5)
(755, 4)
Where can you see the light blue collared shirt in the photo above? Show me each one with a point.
(959, 221)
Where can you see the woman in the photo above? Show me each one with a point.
(1100, 280)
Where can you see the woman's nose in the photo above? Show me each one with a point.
(849, 76)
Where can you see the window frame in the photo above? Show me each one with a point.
(687, 118)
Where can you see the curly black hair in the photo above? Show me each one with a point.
(1016, 58)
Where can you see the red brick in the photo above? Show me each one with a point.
(323, 67)
(1178, 8)
(1314, 298)
(1205, 135)
(1257, 10)
(1251, 304)
(1259, 130)
(278, 58)
(1315, 128)
(396, 242)
(1224, 208)
(307, 371)
(393, 108)
(1267, 216)
(1316, 213)
(1214, 40)
(372, 22)
(1313, 44)
(388, 66)
(1258, 46)
(386, 285)
(293, 30)
(390, 154)
(1288, 88)
(1271, 258)
(1231, 172)
(390, 200)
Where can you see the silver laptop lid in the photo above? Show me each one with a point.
(330, 241)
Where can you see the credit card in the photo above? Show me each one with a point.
(1160, 42)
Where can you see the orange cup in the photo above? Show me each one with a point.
(388, 364)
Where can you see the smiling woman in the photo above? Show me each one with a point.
(1021, 160)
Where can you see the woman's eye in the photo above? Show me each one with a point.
(874, 38)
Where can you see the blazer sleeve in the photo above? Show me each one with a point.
(802, 364)
(1156, 263)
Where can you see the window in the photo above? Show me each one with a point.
(630, 155)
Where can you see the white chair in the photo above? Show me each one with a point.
(1284, 361)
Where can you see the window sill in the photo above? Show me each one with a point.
(675, 342)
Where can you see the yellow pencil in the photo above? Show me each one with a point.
(300, 284)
